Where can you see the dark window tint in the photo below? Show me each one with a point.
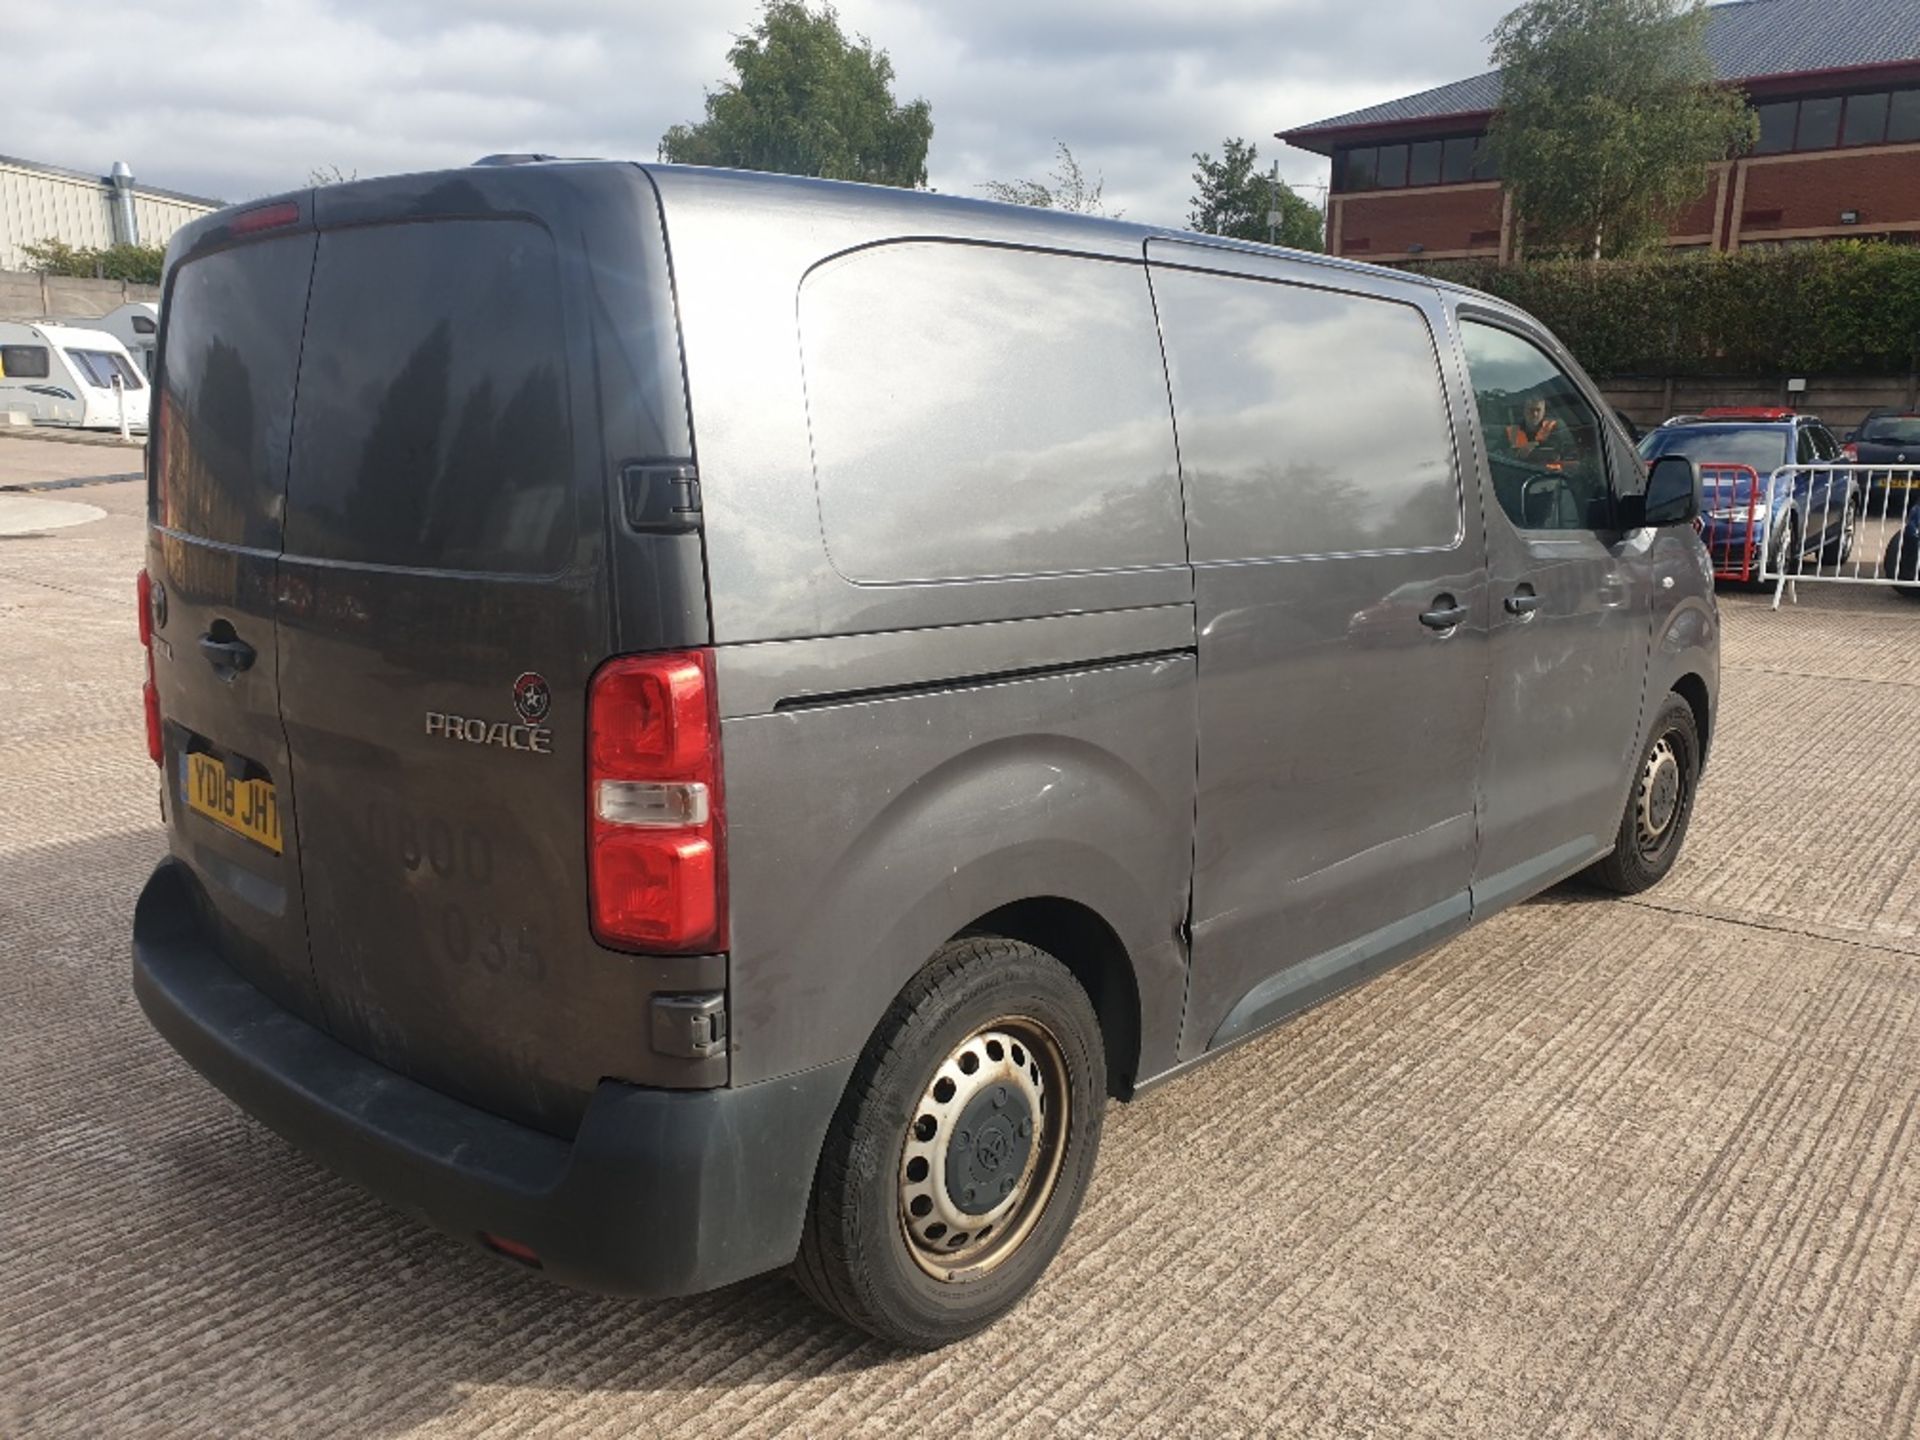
(1805, 451)
(1825, 447)
(1896, 431)
(1423, 168)
(1363, 169)
(1819, 124)
(1393, 166)
(1762, 447)
(143, 325)
(227, 373)
(982, 412)
(433, 426)
(1286, 452)
(25, 362)
(98, 367)
(1486, 164)
(1903, 116)
(1866, 120)
(1544, 441)
(1457, 164)
(1776, 127)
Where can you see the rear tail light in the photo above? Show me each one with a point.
(149, 697)
(656, 827)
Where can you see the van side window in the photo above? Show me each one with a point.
(25, 362)
(1543, 439)
(1310, 422)
(980, 412)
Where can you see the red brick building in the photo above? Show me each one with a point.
(1837, 87)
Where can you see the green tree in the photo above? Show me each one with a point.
(1232, 197)
(1610, 120)
(806, 100)
(1071, 189)
(138, 264)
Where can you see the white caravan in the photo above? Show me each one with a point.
(63, 375)
(135, 325)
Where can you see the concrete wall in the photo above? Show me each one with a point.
(1840, 400)
(25, 296)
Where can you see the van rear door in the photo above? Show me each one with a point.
(487, 354)
(226, 377)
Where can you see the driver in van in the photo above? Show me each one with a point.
(1537, 434)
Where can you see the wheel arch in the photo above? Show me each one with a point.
(1693, 689)
(1081, 939)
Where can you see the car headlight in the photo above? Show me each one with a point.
(1759, 512)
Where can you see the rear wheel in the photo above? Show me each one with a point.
(962, 1148)
(1659, 805)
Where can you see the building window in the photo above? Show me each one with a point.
(1461, 160)
(1776, 127)
(1819, 124)
(1866, 120)
(1903, 116)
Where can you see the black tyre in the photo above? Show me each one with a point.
(1659, 805)
(1839, 550)
(959, 1155)
(1901, 564)
(1792, 551)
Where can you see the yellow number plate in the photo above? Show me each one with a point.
(246, 807)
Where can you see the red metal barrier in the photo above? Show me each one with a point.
(1736, 549)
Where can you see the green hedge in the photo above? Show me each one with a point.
(140, 264)
(1850, 308)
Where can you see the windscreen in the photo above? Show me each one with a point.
(1764, 449)
(433, 427)
(1893, 430)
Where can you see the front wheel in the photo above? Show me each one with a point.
(959, 1155)
(1659, 805)
(1839, 550)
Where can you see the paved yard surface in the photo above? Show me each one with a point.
(1598, 1168)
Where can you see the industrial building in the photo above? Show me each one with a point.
(1836, 84)
(41, 202)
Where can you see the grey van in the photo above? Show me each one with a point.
(709, 722)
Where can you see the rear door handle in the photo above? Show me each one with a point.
(1523, 603)
(231, 656)
(1447, 613)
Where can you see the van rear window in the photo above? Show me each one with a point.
(233, 345)
(433, 425)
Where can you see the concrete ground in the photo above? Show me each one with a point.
(1598, 1168)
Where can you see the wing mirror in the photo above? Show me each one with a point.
(1673, 492)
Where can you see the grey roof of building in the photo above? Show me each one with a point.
(1745, 39)
(139, 187)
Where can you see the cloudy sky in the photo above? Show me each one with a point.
(240, 98)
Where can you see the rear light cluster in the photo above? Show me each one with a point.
(656, 829)
(149, 697)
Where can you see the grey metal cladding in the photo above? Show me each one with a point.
(983, 411)
(1745, 40)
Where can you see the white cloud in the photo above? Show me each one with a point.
(243, 99)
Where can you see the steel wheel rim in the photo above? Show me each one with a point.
(954, 1240)
(1660, 798)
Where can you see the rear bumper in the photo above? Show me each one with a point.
(660, 1193)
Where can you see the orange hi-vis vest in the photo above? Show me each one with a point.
(1518, 438)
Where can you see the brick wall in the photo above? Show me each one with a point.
(1445, 221)
(26, 296)
(1808, 192)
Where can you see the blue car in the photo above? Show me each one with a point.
(1810, 515)
(1902, 561)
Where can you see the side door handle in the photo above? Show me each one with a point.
(1447, 613)
(1523, 602)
